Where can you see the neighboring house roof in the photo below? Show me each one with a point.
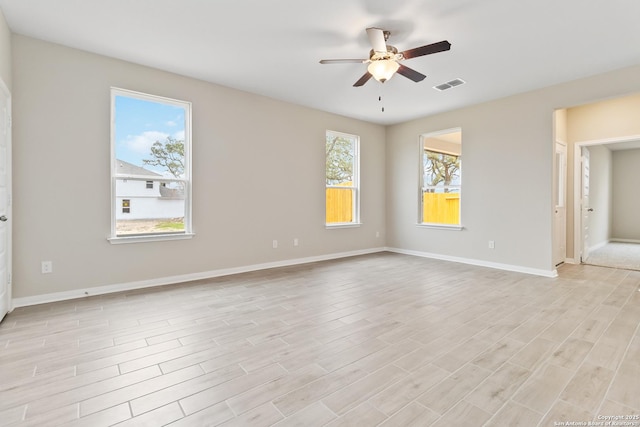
(127, 168)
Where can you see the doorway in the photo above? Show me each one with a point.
(606, 206)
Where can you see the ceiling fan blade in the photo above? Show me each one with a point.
(427, 50)
(362, 80)
(410, 73)
(376, 38)
(343, 61)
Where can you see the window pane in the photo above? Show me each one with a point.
(145, 211)
(441, 207)
(339, 161)
(339, 205)
(149, 135)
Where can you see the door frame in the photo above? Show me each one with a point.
(9, 213)
(557, 180)
(577, 188)
(585, 201)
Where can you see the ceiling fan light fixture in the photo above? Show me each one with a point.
(383, 69)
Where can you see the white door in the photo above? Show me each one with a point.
(5, 199)
(560, 200)
(585, 203)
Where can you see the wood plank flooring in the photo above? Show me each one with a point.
(382, 339)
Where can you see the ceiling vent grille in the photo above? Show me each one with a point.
(449, 84)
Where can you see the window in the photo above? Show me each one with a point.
(342, 186)
(150, 142)
(440, 179)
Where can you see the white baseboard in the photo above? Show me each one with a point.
(171, 280)
(480, 263)
(571, 261)
(625, 240)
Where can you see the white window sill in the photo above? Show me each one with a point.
(343, 225)
(441, 226)
(148, 238)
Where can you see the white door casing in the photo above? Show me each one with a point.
(584, 203)
(5, 199)
(560, 200)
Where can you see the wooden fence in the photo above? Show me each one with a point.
(441, 208)
(339, 205)
(437, 208)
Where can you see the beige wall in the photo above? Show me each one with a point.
(258, 173)
(506, 174)
(626, 200)
(61, 175)
(5, 52)
(607, 119)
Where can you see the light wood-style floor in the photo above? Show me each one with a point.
(382, 339)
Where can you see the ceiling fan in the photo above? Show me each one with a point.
(384, 60)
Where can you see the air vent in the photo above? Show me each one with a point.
(449, 84)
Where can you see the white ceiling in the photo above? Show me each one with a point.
(499, 47)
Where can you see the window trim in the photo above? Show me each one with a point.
(355, 187)
(188, 184)
(421, 186)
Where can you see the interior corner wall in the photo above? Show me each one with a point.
(626, 201)
(600, 195)
(5, 52)
(507, 158)
(258, 175)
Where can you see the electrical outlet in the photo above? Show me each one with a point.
(47, 267)
(296, 242)
(275, 244)
(377, 234)
(492, 244)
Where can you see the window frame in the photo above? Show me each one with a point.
(114, 238)
(355, 187)
(421, 184)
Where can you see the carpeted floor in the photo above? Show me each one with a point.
(617, 255)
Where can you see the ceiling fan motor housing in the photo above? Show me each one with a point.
(391, 53)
